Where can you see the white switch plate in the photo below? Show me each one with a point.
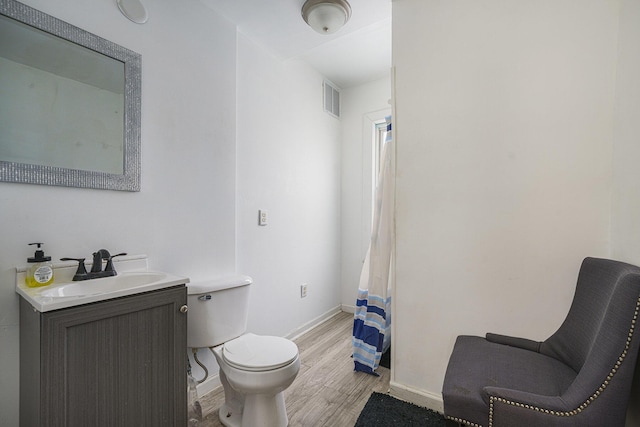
(262, 217)
(303, 290)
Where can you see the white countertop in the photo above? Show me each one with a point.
(133, 277)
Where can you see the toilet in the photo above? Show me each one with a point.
(254, 369)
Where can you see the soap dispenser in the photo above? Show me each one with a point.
(41, 272)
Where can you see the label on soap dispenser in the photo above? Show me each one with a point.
(43, 274)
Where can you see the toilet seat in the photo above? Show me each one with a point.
(252, 352)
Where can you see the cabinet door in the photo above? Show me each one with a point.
(120, 362)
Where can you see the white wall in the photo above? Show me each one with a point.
(361, 106)
(626, 176)
(504, 120)
(289, 165)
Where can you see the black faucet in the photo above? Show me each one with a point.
(98, 257)
(96, 268)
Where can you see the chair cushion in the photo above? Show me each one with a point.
(478, 363)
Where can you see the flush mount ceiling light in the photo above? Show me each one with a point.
(134, 10)
(326, 16)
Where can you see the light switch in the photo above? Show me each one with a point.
(262, 217)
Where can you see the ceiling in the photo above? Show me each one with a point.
(357, 53)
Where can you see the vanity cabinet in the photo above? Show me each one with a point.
(119, 362)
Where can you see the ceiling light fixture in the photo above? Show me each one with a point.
(134, 10)
(326, 16)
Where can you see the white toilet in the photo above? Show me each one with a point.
(254, 369)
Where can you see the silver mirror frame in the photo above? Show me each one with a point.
(49, 175)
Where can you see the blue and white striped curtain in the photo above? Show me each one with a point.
(372, 318)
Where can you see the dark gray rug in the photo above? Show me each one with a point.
(383, 410)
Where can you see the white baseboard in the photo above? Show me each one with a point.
(348, 308)
(210, 384)
(422, 398)
(313, 323)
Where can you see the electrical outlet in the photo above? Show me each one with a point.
(303, 290)
(262, 217)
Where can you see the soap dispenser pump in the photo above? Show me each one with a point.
(41, 273)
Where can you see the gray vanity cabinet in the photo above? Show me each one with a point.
(120, 362)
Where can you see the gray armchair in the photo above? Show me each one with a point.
(580, 376)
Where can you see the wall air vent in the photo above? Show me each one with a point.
(331, 99)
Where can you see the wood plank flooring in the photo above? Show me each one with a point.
(326, 392)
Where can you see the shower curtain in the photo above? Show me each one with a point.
(372, 318)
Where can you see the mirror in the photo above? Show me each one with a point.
(69, 104)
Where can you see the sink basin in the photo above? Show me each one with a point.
(107, 284)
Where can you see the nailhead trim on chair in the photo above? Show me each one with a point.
(591, 398)
(465, 422)
(580, 408)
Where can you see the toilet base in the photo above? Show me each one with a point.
(260, 410)
(229, 419)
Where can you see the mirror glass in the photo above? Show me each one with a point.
(69, 104)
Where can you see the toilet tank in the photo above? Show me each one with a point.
(218, 310)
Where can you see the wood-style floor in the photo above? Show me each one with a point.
(326, 392)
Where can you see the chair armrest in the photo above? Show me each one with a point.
(523, 343)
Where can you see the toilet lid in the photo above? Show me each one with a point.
(252, 352)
